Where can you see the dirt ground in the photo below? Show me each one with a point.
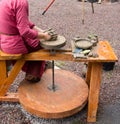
(66, 18)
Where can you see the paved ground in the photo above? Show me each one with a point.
(66, 18)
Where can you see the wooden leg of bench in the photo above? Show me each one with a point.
(10, 97)
(88, 75)
(2, 70)
(94, 91)
(6, 82)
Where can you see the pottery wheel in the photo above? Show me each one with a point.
(69, 98)
(83, 44)
(60, 42)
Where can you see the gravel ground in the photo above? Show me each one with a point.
(66, 18)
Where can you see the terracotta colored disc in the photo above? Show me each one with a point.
(69, 97)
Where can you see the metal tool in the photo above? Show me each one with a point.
(92, 7)
(92, 1)
(83, 10)
(53, 87)
(52, 1)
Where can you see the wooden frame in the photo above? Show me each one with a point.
(93, 78)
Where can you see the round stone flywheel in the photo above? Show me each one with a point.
(70, 96)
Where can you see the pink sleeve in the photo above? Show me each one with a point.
(31, 24)
(24, 26)
(0, 42)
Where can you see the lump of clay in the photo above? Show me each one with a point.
(52, 33)
(93, 38)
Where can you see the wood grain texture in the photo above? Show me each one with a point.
(10, 97)
(104, 50)
(94, 90)
(5, 84)
(6, 56)
(3, 73)
(69, 98)
(88, 74)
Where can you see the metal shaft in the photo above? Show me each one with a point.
(92, 7)
(53, 80)
(52, 1)
(83, 11)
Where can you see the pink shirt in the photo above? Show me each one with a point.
(14, 20)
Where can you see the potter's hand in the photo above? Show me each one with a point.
(47, 36)
(52, 33)
(44, 36)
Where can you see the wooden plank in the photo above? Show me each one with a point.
(103, 47)
(45, 55)
(104, 50)
(88, 75)
(8, 81)
(2, 70)
(94, 91)
(7, 56)
(10, 97)
(3, 73)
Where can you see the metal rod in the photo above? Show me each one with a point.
(52, 1)
(53, 81)
(83, 11)
(92, 7)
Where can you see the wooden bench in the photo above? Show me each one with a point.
(93, 78)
